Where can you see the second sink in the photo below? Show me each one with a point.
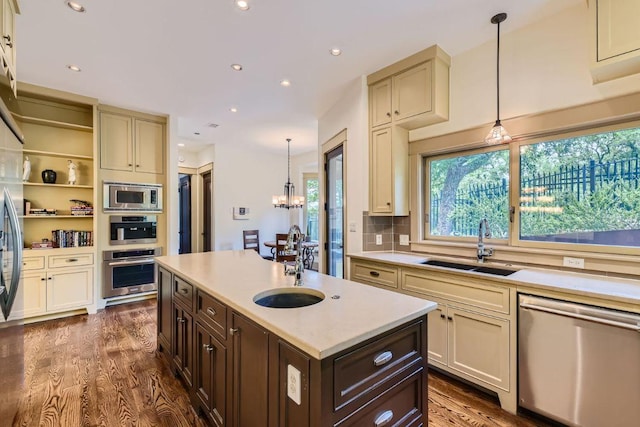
(468, 267)
(288, 297)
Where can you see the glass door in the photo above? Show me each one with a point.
(334, 207)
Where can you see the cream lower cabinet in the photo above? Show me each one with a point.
(56, 283)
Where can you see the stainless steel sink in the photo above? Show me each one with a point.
(288, 297)
(467, 267)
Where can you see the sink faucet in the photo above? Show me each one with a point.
(482, 252)
(294, 239)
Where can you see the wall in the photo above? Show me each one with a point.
(350, 113)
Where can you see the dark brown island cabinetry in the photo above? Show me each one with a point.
(240, 374)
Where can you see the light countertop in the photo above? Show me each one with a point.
(587, 285)
(328, 327)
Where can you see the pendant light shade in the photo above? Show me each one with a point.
(289, 199)
(498, 134)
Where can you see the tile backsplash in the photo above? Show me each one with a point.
(389, 227)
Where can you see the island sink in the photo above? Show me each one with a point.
(288, 297)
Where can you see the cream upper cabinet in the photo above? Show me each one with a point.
(615, 38)
(131, 144)
(411, 93)
(389, 172)
(149, 146)
(9, 9)
(380, 103)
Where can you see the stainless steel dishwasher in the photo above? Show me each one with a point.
(578, 364)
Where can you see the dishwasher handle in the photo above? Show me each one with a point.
(591, 318)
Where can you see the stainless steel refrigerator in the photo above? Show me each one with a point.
(11, 244)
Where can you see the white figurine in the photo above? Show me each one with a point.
(72, 172)
(26, 169)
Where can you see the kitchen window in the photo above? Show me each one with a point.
(582, 189)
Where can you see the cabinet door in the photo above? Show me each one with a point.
(8, 34)
(412, 92)
(165, 322)
(116, 142)
(31, 299)
(381, 171)
(437, 335)
(210, 379)
(250, 373)
(182, 343)
(380, 103)
(479, 346)
(149, 146)
(69, 289)
(618, 31)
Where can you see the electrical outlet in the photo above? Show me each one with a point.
(573, 262)
(378, 239)
(293, 384)
(404, 239)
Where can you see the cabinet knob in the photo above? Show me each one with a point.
(383, 419)
(388, 203)
(442, 316)
(383, 358)
(8, 39)
(130, 164)
(388, 114)
(397, 113)
(449, 317)
(233, 331)
(43, 278)
(208, 347)
(137, 166)
(180, 320)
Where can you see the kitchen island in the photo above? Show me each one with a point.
(358, 357)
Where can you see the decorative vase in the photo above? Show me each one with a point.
(49, 176)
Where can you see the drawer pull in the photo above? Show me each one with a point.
(184, 291)
(374, 273)
(180, 320)
(384, 418)
(383, 358)
(211, 311)
(233, 331)
(72, 260)
(208, 347)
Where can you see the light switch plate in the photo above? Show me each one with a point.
(378, 239)
(293, 384)
(352, 227)
(404, 239)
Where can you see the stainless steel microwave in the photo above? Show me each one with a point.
(130, 196)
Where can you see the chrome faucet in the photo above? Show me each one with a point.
(482, 252)
(294, 240)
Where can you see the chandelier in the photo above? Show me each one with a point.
(289, 199)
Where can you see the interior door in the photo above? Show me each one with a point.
(206, 211)
(334, 212)
(184, 197)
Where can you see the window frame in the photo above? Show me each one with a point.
(514, 148)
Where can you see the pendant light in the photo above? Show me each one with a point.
(289, 199)
(498, 134)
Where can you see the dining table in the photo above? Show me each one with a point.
(308, 251)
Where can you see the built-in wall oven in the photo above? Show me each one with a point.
(129, 271)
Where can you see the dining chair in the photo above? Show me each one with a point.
(281, 255)
(251, 240)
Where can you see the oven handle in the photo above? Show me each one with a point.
(137, 261)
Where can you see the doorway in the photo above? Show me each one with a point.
(184, 206)
(207, 193)
(334, 212)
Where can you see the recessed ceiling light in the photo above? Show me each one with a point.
(242, 4)
(236, 67)
(77, 7)
(73, 67)
(335, 51)
(196, 133)
(213, 125)
(233, 109)
(285, 83)
(181, 145)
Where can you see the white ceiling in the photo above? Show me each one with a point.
(174, 56)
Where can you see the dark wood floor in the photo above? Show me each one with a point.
(102, 370)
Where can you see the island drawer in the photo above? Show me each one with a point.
(375, 274)
(400, 406)
(371, 367)
(212, 313)
(183, 292)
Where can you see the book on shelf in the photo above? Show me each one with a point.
(71, 238)
(42, 212)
